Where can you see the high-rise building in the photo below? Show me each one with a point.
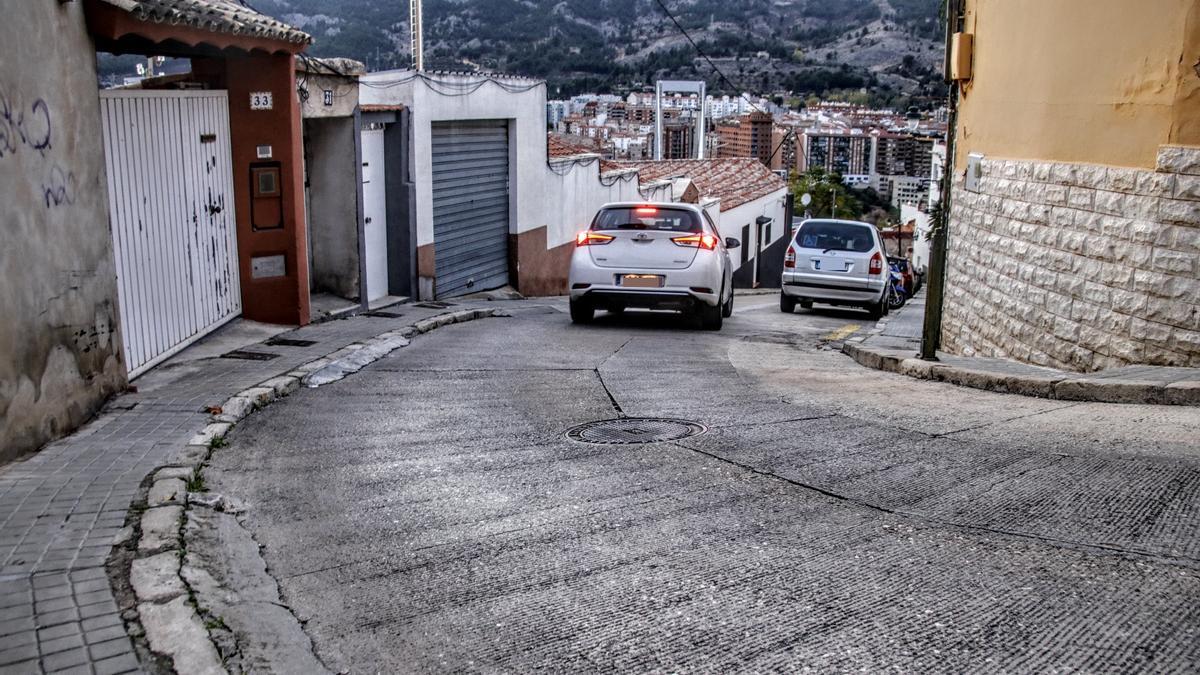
(679, 138)
(751, 136)
(903, 155)
(838, 151)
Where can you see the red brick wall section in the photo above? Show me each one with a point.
(281, 299)
(540, 271)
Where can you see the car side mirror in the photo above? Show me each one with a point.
(730, 242)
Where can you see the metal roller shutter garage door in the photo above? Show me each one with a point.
(470, 206)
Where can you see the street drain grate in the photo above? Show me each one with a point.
(249, 356)
(634, 430)
(289, 342)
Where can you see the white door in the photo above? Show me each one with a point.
(375, 213)
(170, 192)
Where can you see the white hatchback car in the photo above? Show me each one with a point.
(652, 256)
(835, 262)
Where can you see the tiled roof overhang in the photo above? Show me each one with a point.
(220, 24)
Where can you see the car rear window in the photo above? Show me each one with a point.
(835, 236)
(647, 218)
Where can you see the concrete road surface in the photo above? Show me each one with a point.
(429, 514)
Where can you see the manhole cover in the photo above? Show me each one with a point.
(633, 430)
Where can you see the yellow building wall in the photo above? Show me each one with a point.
(1093, 81)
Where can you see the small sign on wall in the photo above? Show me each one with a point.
(261, 100)
(328, 97)
(268, 267)
(974, 172)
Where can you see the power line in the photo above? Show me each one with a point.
(712, 65)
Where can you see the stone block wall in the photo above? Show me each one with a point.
(1077, 266)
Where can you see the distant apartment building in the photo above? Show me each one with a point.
(750, 136)
(899, 154)
(556, 112)
(841, 151)
(907, 190)
(679, 139)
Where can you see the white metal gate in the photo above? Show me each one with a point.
(470, 206)
(170, 191)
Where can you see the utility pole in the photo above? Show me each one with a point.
(417, 31)
(931, 332)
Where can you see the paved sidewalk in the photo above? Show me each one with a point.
(897, 342)
(61, 508)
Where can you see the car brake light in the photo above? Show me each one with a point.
(588, 238)
(704, 241)
(876, 264)
(790, 259)
(646, 211)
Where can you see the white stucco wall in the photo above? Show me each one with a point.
(771, 206)
(539, 195)
(920, 244)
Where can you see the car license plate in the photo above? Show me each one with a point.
(642, 280)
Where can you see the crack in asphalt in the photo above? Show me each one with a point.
(1181, 560)
(600, 376)
(743, 425)
(1005, 421)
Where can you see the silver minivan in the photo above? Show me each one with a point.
(835, 262)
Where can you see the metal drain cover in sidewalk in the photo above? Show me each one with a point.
(634, 430)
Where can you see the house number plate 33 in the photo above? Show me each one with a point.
(261, 100)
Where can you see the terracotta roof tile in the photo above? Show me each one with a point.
(735, 181)
(217, 16)
(562, 145)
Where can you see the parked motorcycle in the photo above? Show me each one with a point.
(897, 293)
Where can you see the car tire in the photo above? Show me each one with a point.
(711, 318)
(787, 304)
(878, 309)
(806, 304)
(727, 308)
(582, 311)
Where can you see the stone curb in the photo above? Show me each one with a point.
(167, 606)
(1063, 388)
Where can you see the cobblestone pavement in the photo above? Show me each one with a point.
(430, 515)
(60, 508)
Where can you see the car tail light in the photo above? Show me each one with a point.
(704, 241)
(588, 238)
(876, 266)
(789, 260)
(646, 211)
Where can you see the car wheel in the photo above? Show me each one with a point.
(727, 308)
(711, 318)
(582, 311)
(878, 309)
(787, 304)
(806, 304)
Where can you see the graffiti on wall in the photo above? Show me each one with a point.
(29, 127)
